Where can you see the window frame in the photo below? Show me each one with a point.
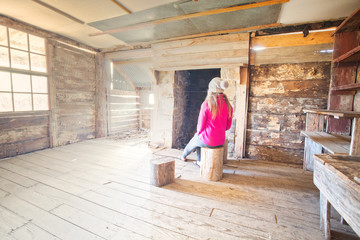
(28, 72)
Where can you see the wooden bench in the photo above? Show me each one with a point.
(320, 142)
(338, 179)
(317, 141)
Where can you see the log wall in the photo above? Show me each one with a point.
(72, 74)
(278, 94)
(289, 74)
(21, 133)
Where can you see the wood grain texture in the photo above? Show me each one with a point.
(162, 172)
(292, 54)
(276, 106)
(335, 176)
(211, 167)
(201, 52)
(100, 189)
(74, 76)
(325, 213)
(355, 137)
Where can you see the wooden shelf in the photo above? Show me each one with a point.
(347, 87)
(351, 56)
(350, 24)
(334, 113)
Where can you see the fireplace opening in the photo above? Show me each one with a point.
(190, 89)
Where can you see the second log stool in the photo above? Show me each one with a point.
(212, 163)
(162, 172)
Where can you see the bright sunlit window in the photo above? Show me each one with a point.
(23, 74)
(151, 98)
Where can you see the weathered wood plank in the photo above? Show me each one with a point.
(13, 149)
(293, 54)
(281, 105)
(276, 154)
(30, 230)
(276, 122)
(11, 122)
(355, 137)
(59, 227)
(331, 142)
(315, 88)
(335, 178)
(291, 140)
(310, 149)
(292, 72)
(201, 52)
(283, 40)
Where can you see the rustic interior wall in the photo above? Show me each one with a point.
(74, 74)
(288, 74)
(163, 112)
(71, 73)
(278, 94)
(22, 133)
(145, 108)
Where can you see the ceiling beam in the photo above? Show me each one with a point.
(192, 15)
(122, 6)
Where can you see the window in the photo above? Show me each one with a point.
(151, 98)
(23, 76)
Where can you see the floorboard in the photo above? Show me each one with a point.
(99, 189)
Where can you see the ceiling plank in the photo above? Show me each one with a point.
(59, 11)
(122, 6)
(237, 30)
(192, 15)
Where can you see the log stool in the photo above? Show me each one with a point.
(162, 172)
(225, 151)
(212, 163)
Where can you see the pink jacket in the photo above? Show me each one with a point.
(212, 131)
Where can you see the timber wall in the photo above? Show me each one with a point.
(72, 73)
(290, 74)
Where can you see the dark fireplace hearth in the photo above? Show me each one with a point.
(190, 89)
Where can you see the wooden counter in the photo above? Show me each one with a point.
(338, 179)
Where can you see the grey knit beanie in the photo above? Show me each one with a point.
(217, 85)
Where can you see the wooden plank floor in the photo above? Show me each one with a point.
(99, 189)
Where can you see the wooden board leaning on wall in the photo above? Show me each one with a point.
(291, 48)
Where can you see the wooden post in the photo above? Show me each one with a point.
(101, 96)
(325, 216)
(53, 124)
(162, 172)
(355, 137)
(212, 163)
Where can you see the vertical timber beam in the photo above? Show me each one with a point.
(242, 93)
(53, 131)
(355, 137)
(101, 97)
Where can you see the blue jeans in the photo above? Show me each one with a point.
(194, 144)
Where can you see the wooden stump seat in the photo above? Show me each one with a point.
(162, 172)
(212, 163)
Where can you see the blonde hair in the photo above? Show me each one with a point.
(211, 99)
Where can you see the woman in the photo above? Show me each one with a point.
(215, 118)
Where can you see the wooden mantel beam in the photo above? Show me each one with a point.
(192, 15)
